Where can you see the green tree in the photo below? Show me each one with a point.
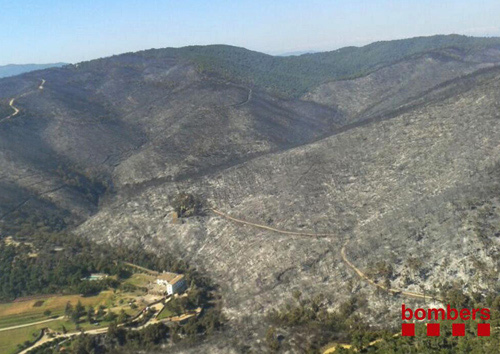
(122, 317)
(90, 314)
(100, 311)
(68, 310)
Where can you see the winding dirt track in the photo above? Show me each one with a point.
(12, 100)
(249, 98)
(342, 253)
(16, 110)
(264, 227)
(366, 278)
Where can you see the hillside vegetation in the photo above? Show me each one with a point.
(293, 76)
(395, 162)
(12, 69)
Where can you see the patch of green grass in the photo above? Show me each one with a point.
(10, 339)
(165, 313)
(19, 313)
(140, 280)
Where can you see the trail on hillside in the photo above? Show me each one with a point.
(260, 226)
(380, 286)
(249, 98)
(12, 101)
(16, 110)
(358, 271)
(349, 346)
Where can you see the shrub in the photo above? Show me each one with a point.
(186, 205)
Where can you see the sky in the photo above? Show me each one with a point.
(45, 31)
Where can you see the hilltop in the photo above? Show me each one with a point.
(17, 69)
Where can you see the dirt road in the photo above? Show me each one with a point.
(30, 324)
(380, 286)
(264, 227)
(342, 253)
(249, 98)
(11, 103)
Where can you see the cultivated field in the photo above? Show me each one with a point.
(21, 313)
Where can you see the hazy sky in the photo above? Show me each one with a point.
(41, 31)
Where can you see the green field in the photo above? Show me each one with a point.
(140, 280)
(18, 313)
(31, 311)
(10, 339)
(166, 313)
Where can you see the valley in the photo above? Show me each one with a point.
(336, 185)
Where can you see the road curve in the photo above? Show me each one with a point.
(47, 339)
(264, 227)
(249, 98)
(380, 286)
(16, 110)
(12, 100)
(342, 253)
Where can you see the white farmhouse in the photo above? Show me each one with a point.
(174, 283)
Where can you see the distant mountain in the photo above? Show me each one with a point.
(293, 76)
(14, 69)
(297, 53)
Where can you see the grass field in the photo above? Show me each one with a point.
(140, 280)
(25, 312)
(10, 339)
(165, 313)
(18, 313)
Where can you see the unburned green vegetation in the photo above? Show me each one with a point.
(293, 76)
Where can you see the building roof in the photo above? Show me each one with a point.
(177, 279)
(171, 278)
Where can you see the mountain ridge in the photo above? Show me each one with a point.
(18, 69)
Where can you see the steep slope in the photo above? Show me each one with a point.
(122, 124)
(141, 119)
(68, 134)
(375, 186)
(395, 84)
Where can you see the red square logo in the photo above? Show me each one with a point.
(433, 329)
(408, 329)
(483, 329)
(458, 329)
